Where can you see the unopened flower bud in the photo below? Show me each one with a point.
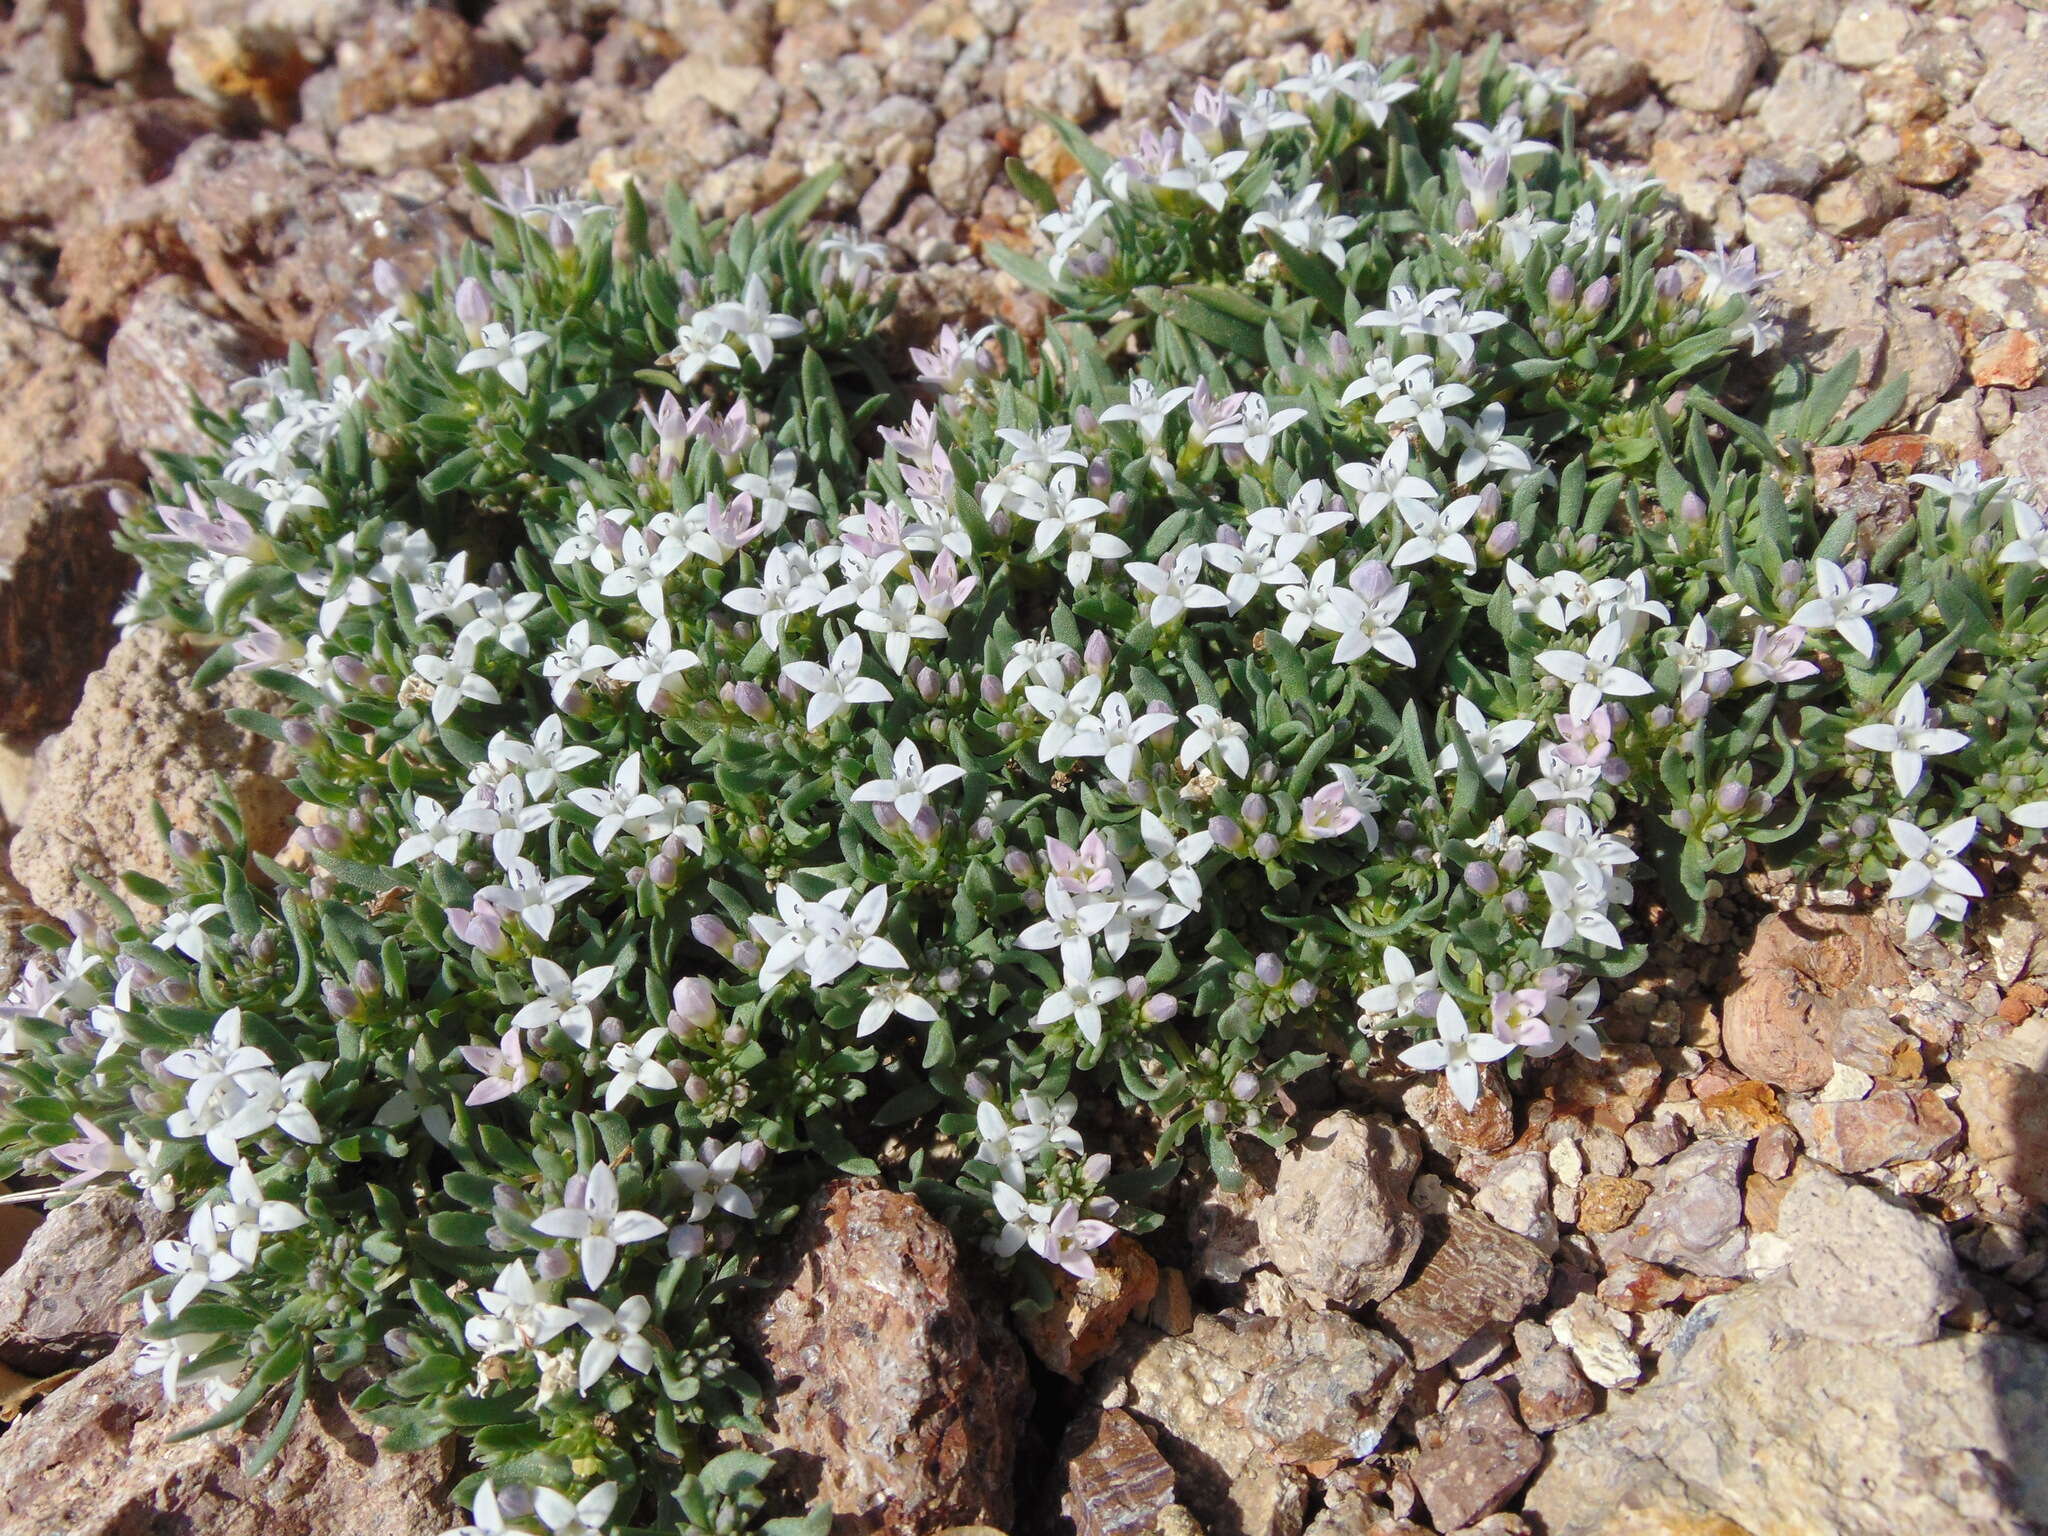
(685, 1240)
(1095, 654)
(1516, 902)
(1234, 456)
(1615, 771)
(1215, 1112)
(1373, 580)
(887, 817)
(300, 733)
(1017, 864)
(1504, 540)
(928, 683)
(753, 701)
(1731, 797)
(1099, 474)
(1226, 834)
(1598, 292)
(184, 845)
(1159, 1007)
(662, 870)
(695, 1089)
(1661, 718)
(991, 689)
(925, 826)
(1466, 218)
(712, 934)
(341, 1001)
(1254, 811)
(472, 308)
(1302, 993)
(1269, 968)
(747, 955)
(1482, 878)
(1562, 288)
(1086, 422)
(1692, 709)
(1265, 847)
(552, 1264)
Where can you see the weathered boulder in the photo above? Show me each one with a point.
(142, 735)
(1480, 1280)
(1799, 1404)
(60, 1302)
(898, 1396)
(60, 582)
(97, 1458)
(1338, 1220)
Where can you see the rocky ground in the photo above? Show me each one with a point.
(1777, 1265)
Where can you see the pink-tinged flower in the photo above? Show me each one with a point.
(1327, 813)
(504, 1067)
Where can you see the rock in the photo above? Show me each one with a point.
(178, 341)
(241, 68)
(2005, 1106)
(1241, 1402)
(1451, 1128)
(1179, 1386)
(2010, 94)
(500, 124)
(55, 425)
(1338, 1220)
(1694, 1220)
(1651, 1141)
(1790, 25)
(1223, 1224)
(1811, 105)
(1892, 1125)
(1930, 154)
(1794, 173)
(112, 42)
(1867, 35)
(1602, 1350)
(966, 158)
(897, 1398)
(1608, 1204)
(1920, 249)
(70, 176)
(1764, 1423)
(1081, 1325)
(1481, 1279)
(1611, 79)
(101, 269)
(1551, 1391)
(404, 59)
(728, 87)
(142, 736)
(97, 1458)
(2023, 447)
(1865, 1269)
(1800, 970)
(1611, 1093)
(60, 1302)
(1117, 1484)
(1329, 1388)
(286, 242)
(2006, 360)
(1860, 203)
(1516, 1196)
(1701, 54)
(1473, 1456)
(62, 582)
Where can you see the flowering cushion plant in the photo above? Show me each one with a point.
(724, 758)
